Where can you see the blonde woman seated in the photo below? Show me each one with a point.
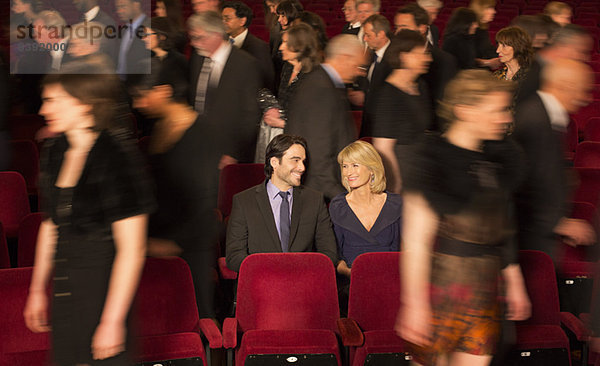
(366, 219)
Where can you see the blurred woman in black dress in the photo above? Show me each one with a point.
(459, 37)
(171, 9)
(97, 199)
(183, 164)
(486, 52)
(403, 110)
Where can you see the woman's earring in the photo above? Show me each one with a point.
(372, 177)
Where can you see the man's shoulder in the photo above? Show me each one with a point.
(309, 194)
(253, 42)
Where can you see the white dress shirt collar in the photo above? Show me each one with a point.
(559, 117)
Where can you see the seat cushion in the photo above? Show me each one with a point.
(40, 357)
(378, 341)
(287, 342)
(541, 337)
(170, 347)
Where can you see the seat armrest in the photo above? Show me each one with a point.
(211, 332)
(350, 332)
(225, 272)
(230, 333)
(575, 325)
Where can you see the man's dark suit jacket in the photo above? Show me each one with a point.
(380, 73)
(348, 30)
(320, 113)
(441, 70)
(137, 55)
(435, 35)
(260, 50)
(541, 200)
(232, 106)
(252, 229)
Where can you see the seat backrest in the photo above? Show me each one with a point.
(287, 291)
(14, 203)
(375, 290)
(592, 129)
(540, 279)
(26, 160)
(165, 301)
(27, 239)
(234, 179)
(15, 337)
(588, 189)
(583, 211)
(587, 155)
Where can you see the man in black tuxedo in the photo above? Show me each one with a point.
(224, 85)
(132, 49)
(376, 35)
(432, 7)
(540, 124)
(571, 42)
(443, 65)
(280, 215)
(237, 17)
(91, 12)
(351, 16)
(320, 112)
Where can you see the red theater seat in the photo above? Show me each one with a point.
(286, 305)
(25, 159)
(234, 179)
(587, 155)
(27, 239)
(14, 204)
(4, 257)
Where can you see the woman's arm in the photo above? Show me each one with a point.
(517, 301)
(35, 311)
(419, 225)
(385, 147)
(130, 244)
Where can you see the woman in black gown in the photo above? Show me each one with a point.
(459, 38)
(96, 199)
(183, 163)
(403, 108)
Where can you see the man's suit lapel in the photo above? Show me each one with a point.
(265, 209)
(296, 213)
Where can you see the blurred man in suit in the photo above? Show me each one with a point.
(224, 87)
(320, 112)
(91, 12)
(132, 49)
(237, 17)
(280, 215)
(432, 7)
(351, 15)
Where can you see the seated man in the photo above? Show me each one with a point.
(280, 215)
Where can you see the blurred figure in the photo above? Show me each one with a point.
(559, 12)
(367, 218)
(459, 190)
(571, 42)
(364, 9)
(352, 25)
(540, 124)
(96, 196)
(237, 17)
(443, 65)
(84, 40)
(172, 10)
(200, 6)
(486, 52)
(376, 35)
(535, 27)
(459, 37)
(288, 13)
(91, 12)
(280, 215)
(224, 84)
(432, 7)
(159, 38)
(402, 109)
(184, 174)
(132, 49)
(300, 51)
(318, 25)
(319, 111)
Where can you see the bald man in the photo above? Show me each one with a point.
(540, 124)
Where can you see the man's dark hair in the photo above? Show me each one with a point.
(419, 14)
(278, 146)
(241, 11)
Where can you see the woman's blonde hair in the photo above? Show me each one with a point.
(363, 153)
(469, 87)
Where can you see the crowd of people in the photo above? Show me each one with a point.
(463, 166)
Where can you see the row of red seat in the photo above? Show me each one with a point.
(279, 314)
